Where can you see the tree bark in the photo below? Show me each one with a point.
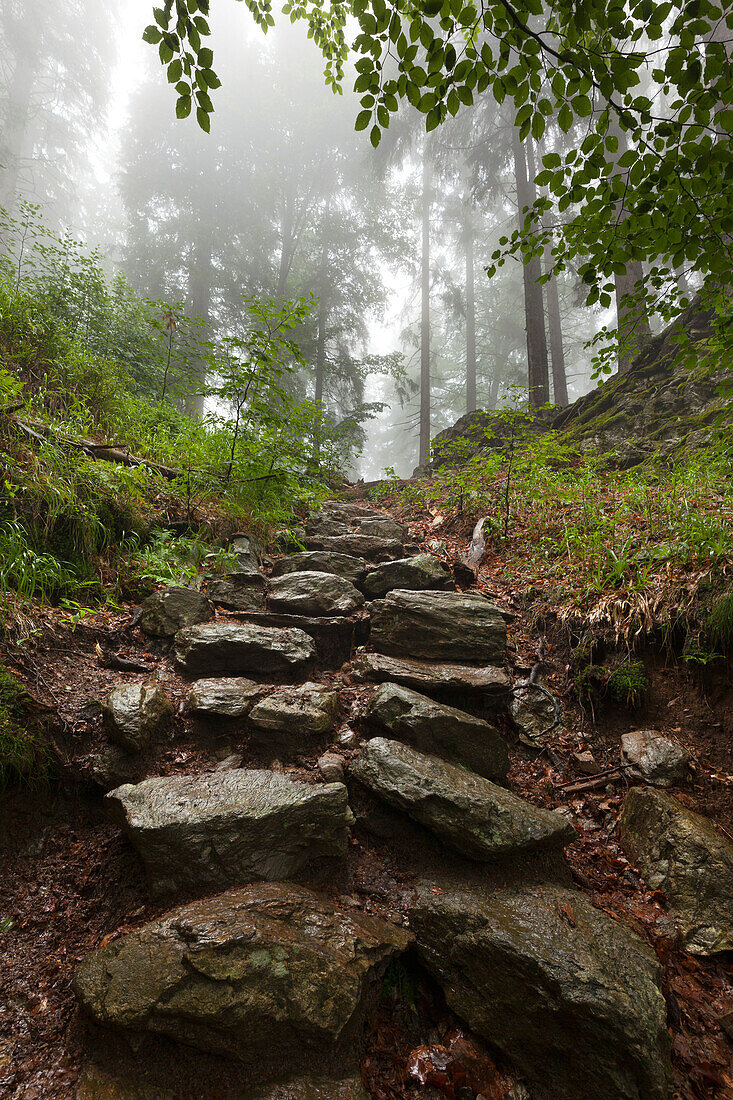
(320, 364)
(27, 65)
(534, 311)
(424, 448)
(200, 277)
(470, 315)
(554, 321)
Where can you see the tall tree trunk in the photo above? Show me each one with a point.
(15, 137)
(470, 316)
(424, 451)
(320, 364)
(554, 321)
(632, 321)
(534, 310)
(286, 246)
(200, 277)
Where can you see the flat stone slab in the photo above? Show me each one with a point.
(657, 759)
(348, 566)
(208, 832)
(364, 546)
(435, 728)
(296, 713)
(427, 676)
(439, 625)
(239, 648)
(270, 974)
(383, 527)
(572, 996)
(171, 609)
(314, 593)
(224, 696)
(480, 820)
(683, 855)
(134, 713)
(421, 572)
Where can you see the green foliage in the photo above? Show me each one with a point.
(166, 558)
(24, 752)
(628, 684)
(719, 625)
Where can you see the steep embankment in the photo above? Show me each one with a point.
(662, 407)
(340, 821)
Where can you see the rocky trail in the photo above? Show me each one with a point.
(338, 831)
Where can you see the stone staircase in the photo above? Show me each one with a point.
(264, 958)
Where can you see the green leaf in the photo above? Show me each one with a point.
(206, 58)
(183, 106)
(152, 35)
(204, 119)
(175, 71)
(362, 120)
(375, 136)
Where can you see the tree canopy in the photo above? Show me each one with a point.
(649, 87)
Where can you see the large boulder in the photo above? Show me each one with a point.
(134, 713)
(657, 759)
(348, 566)
(421, 572)
(570, 995)
(682, 854)
(296, 713)
(171, 609)
(480, 820)
(435, 728)
(239, 648)
(240, 591)
(488, 683)
(224, 696)
(207, 832)
(439, 625)
(247, 553)
(350, 512)
(373, 547)
(320, 524)
(270, 974)
(313, 593)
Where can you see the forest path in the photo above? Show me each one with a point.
(379, 750)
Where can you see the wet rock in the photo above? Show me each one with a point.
(112, 766)
(296, 713)
(349, 512)
(429, 676)
(312, 1088)
(320, 524)
(238, 648)
(223, 697)
(331, 766)
(347, 738)
(534, 710)
(586, 763)
(654, 758)
(570, 995)
(681, 854)
(434, 728)
(421, 572)
(271, 974)
(248, 555)
(207, 832)
(364, 546)
(238, 591)
(439, 625)
(348, 566)
(134, 713)
(479, 819)
(312, 593)
(383, 528)
(171, 609)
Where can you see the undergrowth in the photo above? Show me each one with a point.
(628, 547)
(24, 752)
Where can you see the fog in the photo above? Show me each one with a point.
(283, 199)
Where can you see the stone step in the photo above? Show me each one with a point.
(208, 832)
(272, 975)
(348, 566)
(334, 638)
(421, 572)
(477, 818)
(294, 716)
(439, 626)
(435, 728)
(237, 591)
(315, 594)
(224, 697)
(572, 996)
(238, 648)
(171, 609)
(373, 547)
(490, 685)
(683, 855)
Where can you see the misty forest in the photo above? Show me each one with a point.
(366, 550)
